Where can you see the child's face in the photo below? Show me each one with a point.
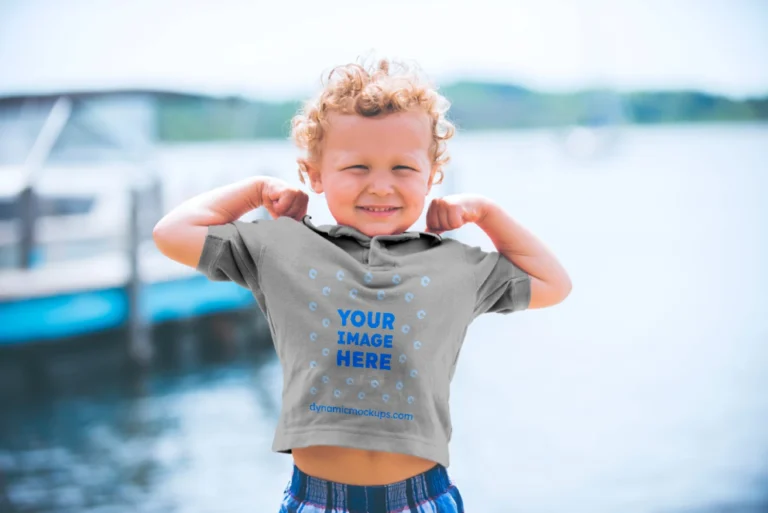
(372, 163)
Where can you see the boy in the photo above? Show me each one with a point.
(367, 317)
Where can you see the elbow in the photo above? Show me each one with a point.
(564, 289)
(180, 241)
(559, 290)
(160, 236)
(548, 293)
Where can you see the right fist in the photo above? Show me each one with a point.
(282, 200)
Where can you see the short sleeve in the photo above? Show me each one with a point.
(501, 286)
(232, 252)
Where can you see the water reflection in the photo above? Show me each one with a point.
(147, 447)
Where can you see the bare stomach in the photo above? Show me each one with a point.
(358, 467)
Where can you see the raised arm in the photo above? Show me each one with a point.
(180, 234)
(550, 283)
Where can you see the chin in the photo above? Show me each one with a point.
(372, 228)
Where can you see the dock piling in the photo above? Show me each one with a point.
(140, 348)
(28, 214)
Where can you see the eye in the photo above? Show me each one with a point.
(356, 167)
(407, 168)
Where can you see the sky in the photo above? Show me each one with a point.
(279, 49)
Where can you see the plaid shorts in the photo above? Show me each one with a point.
(431, 491)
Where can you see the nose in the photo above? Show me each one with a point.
(380, 183)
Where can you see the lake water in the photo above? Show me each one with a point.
(645, 391)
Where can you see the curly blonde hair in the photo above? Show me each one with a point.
(384, 88)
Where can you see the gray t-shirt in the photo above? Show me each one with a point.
(367, 329)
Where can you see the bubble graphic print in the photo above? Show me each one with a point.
(385, 397)
(408, 297)
(399, 385)
(326, 291)
(405, 328)
(403, 358)
(417, 345)
(326, 351)
(380, 295)
(424, 281)
(353, 293)
(312, 364)
(313, 390)
(414, 373)
(326, 379)
(312, 273)
(374, 383)
(410, 399)
(396, 279)
(340, 275)
(313, 336)
(326, 323)
(421, 314)
(350, 381)
(313, 306)
(361, 395)
(337, 393)
(368, 278)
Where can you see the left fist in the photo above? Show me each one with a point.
(452, 212)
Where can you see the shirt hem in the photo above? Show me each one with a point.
(421, 448)
(212, 248)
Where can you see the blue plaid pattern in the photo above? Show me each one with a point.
(429, 492)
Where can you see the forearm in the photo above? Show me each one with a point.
(218, 206)
(180, 235)
(521, 247)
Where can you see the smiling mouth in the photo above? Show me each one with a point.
(379, 210)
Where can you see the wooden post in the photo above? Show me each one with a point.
(27, 211)
(28, 207)
(140, 348)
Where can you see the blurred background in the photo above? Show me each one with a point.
(629, 136)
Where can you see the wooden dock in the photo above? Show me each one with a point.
(78, 266)
(82, 296)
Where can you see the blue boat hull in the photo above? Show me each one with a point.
(73, 314)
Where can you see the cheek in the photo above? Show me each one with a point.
(340, 189)
(417, 202)
(418, 189)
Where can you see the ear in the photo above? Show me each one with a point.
(314, 176)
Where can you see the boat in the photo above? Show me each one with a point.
(80, 192)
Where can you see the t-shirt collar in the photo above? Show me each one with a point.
(340, 230)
